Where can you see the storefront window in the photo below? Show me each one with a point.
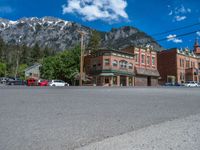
(115, 80)
(130, 81)
(107, 80)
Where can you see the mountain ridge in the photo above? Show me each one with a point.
(60, 34)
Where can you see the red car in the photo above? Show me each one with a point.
(31, 82)
(43, 83)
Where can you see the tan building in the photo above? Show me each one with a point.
(110, 68)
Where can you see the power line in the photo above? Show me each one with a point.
(176, 29)
(181, 35)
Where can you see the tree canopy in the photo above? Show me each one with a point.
(64, 65)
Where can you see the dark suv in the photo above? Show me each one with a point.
(16, 82)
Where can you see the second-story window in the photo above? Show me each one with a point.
(188, 64)
(115, 63)
(181, 62)
(192, 64)
(123, 64)
(153, 61)
(136, 58)
(130, 66)
(143, 58)
(148, 60)
(107, 61)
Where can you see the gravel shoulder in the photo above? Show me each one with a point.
(180, 134)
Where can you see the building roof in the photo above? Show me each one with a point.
(185, 52)
(33, 66)
(113, 50)
(144, 48)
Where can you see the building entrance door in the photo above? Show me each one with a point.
(122, 80)
(148, 81)
(171, 79)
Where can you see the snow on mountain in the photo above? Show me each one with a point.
(60, 34)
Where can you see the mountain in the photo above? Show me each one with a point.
(60, 34)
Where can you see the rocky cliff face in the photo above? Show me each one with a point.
(60, 34)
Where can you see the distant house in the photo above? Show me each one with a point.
(33, 71)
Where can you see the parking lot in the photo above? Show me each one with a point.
(71, 117)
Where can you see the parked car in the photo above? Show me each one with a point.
(169, 84)
(31, 82)
(43, 82)
(3, 80)
(191, 84)
(58, 83)
(16, 82)
(172, 84)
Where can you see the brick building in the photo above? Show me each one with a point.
(179, 66)
(146, 73)
(110, 68)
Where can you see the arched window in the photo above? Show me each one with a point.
(115, 63)
(123, 64)
(130, 66)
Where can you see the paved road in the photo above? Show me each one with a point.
(69, 118)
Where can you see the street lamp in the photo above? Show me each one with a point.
(82, 33)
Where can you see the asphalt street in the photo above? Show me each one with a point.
(33, 118)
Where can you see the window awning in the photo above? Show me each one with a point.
(147, 72)
(106, 74)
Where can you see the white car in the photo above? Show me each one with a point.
(191, 84)
(58, 83)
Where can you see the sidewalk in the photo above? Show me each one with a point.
(180, 134)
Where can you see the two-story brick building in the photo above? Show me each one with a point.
(178, 66)
(110, 68)
(146, 73)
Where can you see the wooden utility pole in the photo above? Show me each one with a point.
(81, 58)
(18, 55)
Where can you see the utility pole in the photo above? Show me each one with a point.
(81, 58)
(18, 53)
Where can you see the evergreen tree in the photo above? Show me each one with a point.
(24, 59)
(2, 47)
(2, 69)
(94, 42)
(35, 53)
(46, 52)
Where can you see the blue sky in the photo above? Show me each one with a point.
(150, 16)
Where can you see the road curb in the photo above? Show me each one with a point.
(172, 135)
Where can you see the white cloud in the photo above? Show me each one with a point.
(90, 10)
(182, 10)
(6, 9)
(170, 13)
(172, 37)
(179, 13)
(198, 33)
(180, 18)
